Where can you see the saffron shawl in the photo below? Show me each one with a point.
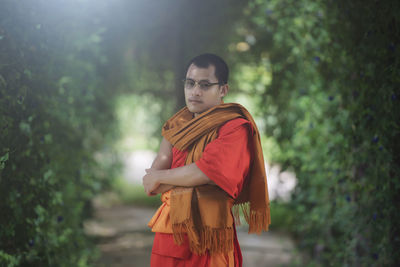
(204, 212)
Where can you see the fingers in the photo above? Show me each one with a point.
(147, 191)
(150, 183)
(147, 186)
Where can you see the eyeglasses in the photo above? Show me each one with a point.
(204, 85)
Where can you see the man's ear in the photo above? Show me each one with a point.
(224, 90)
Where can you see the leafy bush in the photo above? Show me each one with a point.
(333, 109)
(51, 128)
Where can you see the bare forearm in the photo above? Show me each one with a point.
(156, 181)
(160, 178)
(189, 175)
(164, 156)
(161, 163)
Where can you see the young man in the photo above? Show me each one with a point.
(210, 160)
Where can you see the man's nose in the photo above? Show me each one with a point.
(196, 90)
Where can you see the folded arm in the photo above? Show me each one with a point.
(188, 175)
(162, 161)
(160, 178)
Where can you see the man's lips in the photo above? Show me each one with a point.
(195, 101)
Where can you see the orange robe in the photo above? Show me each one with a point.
(226, 161)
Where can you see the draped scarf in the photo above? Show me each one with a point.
(204, 212)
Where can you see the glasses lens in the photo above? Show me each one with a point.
(204, 85)
(188, 83)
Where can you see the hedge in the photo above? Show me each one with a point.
(54, 118)
(333, 109)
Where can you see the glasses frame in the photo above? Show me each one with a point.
(198, 83)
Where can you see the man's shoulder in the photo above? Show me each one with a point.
(235, 125)
(235, 122)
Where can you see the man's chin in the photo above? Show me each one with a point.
(197, 110)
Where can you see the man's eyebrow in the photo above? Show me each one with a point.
(203, 80)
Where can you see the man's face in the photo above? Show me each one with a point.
(199, 100)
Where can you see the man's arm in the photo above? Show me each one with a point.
(227, 169)
(162, 161)
(188, 175)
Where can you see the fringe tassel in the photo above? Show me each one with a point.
(220, 240)
(215, 241)
(179, 229)
(211, 239)
(258, 220)
(236, 215)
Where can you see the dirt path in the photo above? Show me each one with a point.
(125, 240)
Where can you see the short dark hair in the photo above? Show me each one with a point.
(205, 60)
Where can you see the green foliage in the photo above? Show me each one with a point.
(51, 129)
(283, 215)
(333, 109)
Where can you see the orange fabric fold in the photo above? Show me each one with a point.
(160, 222)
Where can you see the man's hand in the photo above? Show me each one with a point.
(150, 182)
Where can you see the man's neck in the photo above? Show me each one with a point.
(196, 114)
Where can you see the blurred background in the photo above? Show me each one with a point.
(86, 85)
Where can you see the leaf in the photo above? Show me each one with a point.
(47, 174)
(3, 160)
(25, 127)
